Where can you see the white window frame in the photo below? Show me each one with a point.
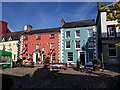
(109, 31)
(65, 45)
(76, 33)
(51, 45)
(75, 45)
(52, 57)
(92, 32)
(37, 45)
(67, 57)
(37, 37)
(51, 37)
(112, 48)
(89, 56)
(118, 32)
(66, 34)
(3, 39)
(42, 56)
(10, 38)
(91, 47)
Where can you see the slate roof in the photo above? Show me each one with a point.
(79, 24)
(16, 35)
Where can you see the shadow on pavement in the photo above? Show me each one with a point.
(43, 78)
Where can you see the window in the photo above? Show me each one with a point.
(112, 50)
(70, 56)
(44, 56)
(119, 32)
(3, 39)
(51, 45)
(25, 37)
(68, 34)
(30, 56)
(67, 44)
(90, 32)
(37, 46)
(77, 34)
(53, 57)
(14, 56)
(52, 36)
(38, 37)
(111, 30)
(77, 44)
(90, 44)
(91, 56)
(10, 38)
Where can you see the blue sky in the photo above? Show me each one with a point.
(45, 14)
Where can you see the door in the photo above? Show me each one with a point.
(82, 57)
(36, 56)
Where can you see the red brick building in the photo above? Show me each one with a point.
(39, 44)
(3, 28)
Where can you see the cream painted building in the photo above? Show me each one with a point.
(10, 46)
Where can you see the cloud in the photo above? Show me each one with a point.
(84, 11)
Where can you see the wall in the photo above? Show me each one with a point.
(13, 47)
(106, 40)
(83, 44)
(3, 28)
(44, 43)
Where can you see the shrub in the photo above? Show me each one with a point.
(47, 60)
(19, 60)
(96, 61)
(24, 58)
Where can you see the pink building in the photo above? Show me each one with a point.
(39, 44)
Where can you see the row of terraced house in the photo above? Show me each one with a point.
(85, 40)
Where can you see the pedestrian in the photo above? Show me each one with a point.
(78, 64)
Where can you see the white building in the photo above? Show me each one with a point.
(108, 33)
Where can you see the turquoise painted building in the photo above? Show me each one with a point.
(78, 41)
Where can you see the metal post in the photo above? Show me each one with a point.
(102, 62)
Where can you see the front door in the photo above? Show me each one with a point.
(81, 56)
(36, 56)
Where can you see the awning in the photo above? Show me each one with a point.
(5, 53)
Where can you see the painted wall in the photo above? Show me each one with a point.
(43, 43)
(106, 41)
(3, 28)
(10, 46)
(83, 43)
(104, 24)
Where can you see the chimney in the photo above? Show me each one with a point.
(27, 28)
(98, 5)
(62, 22)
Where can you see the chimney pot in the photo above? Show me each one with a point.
(62, 22)
(27, 28)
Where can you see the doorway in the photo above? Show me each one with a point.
(36, 56)
(81, 56)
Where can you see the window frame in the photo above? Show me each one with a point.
(89, 43)
(52, 37)
(89, 56)
(38, 38)
(25, 39)
(76, 44)
(51, 45)
(43, 56)
(112, 48)
(68, 56)
(89, 32)
(108, 32)
(54, 57)
(76, 33)
(66, 44)
(67, 35)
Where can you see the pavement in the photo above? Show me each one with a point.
(37, 77)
